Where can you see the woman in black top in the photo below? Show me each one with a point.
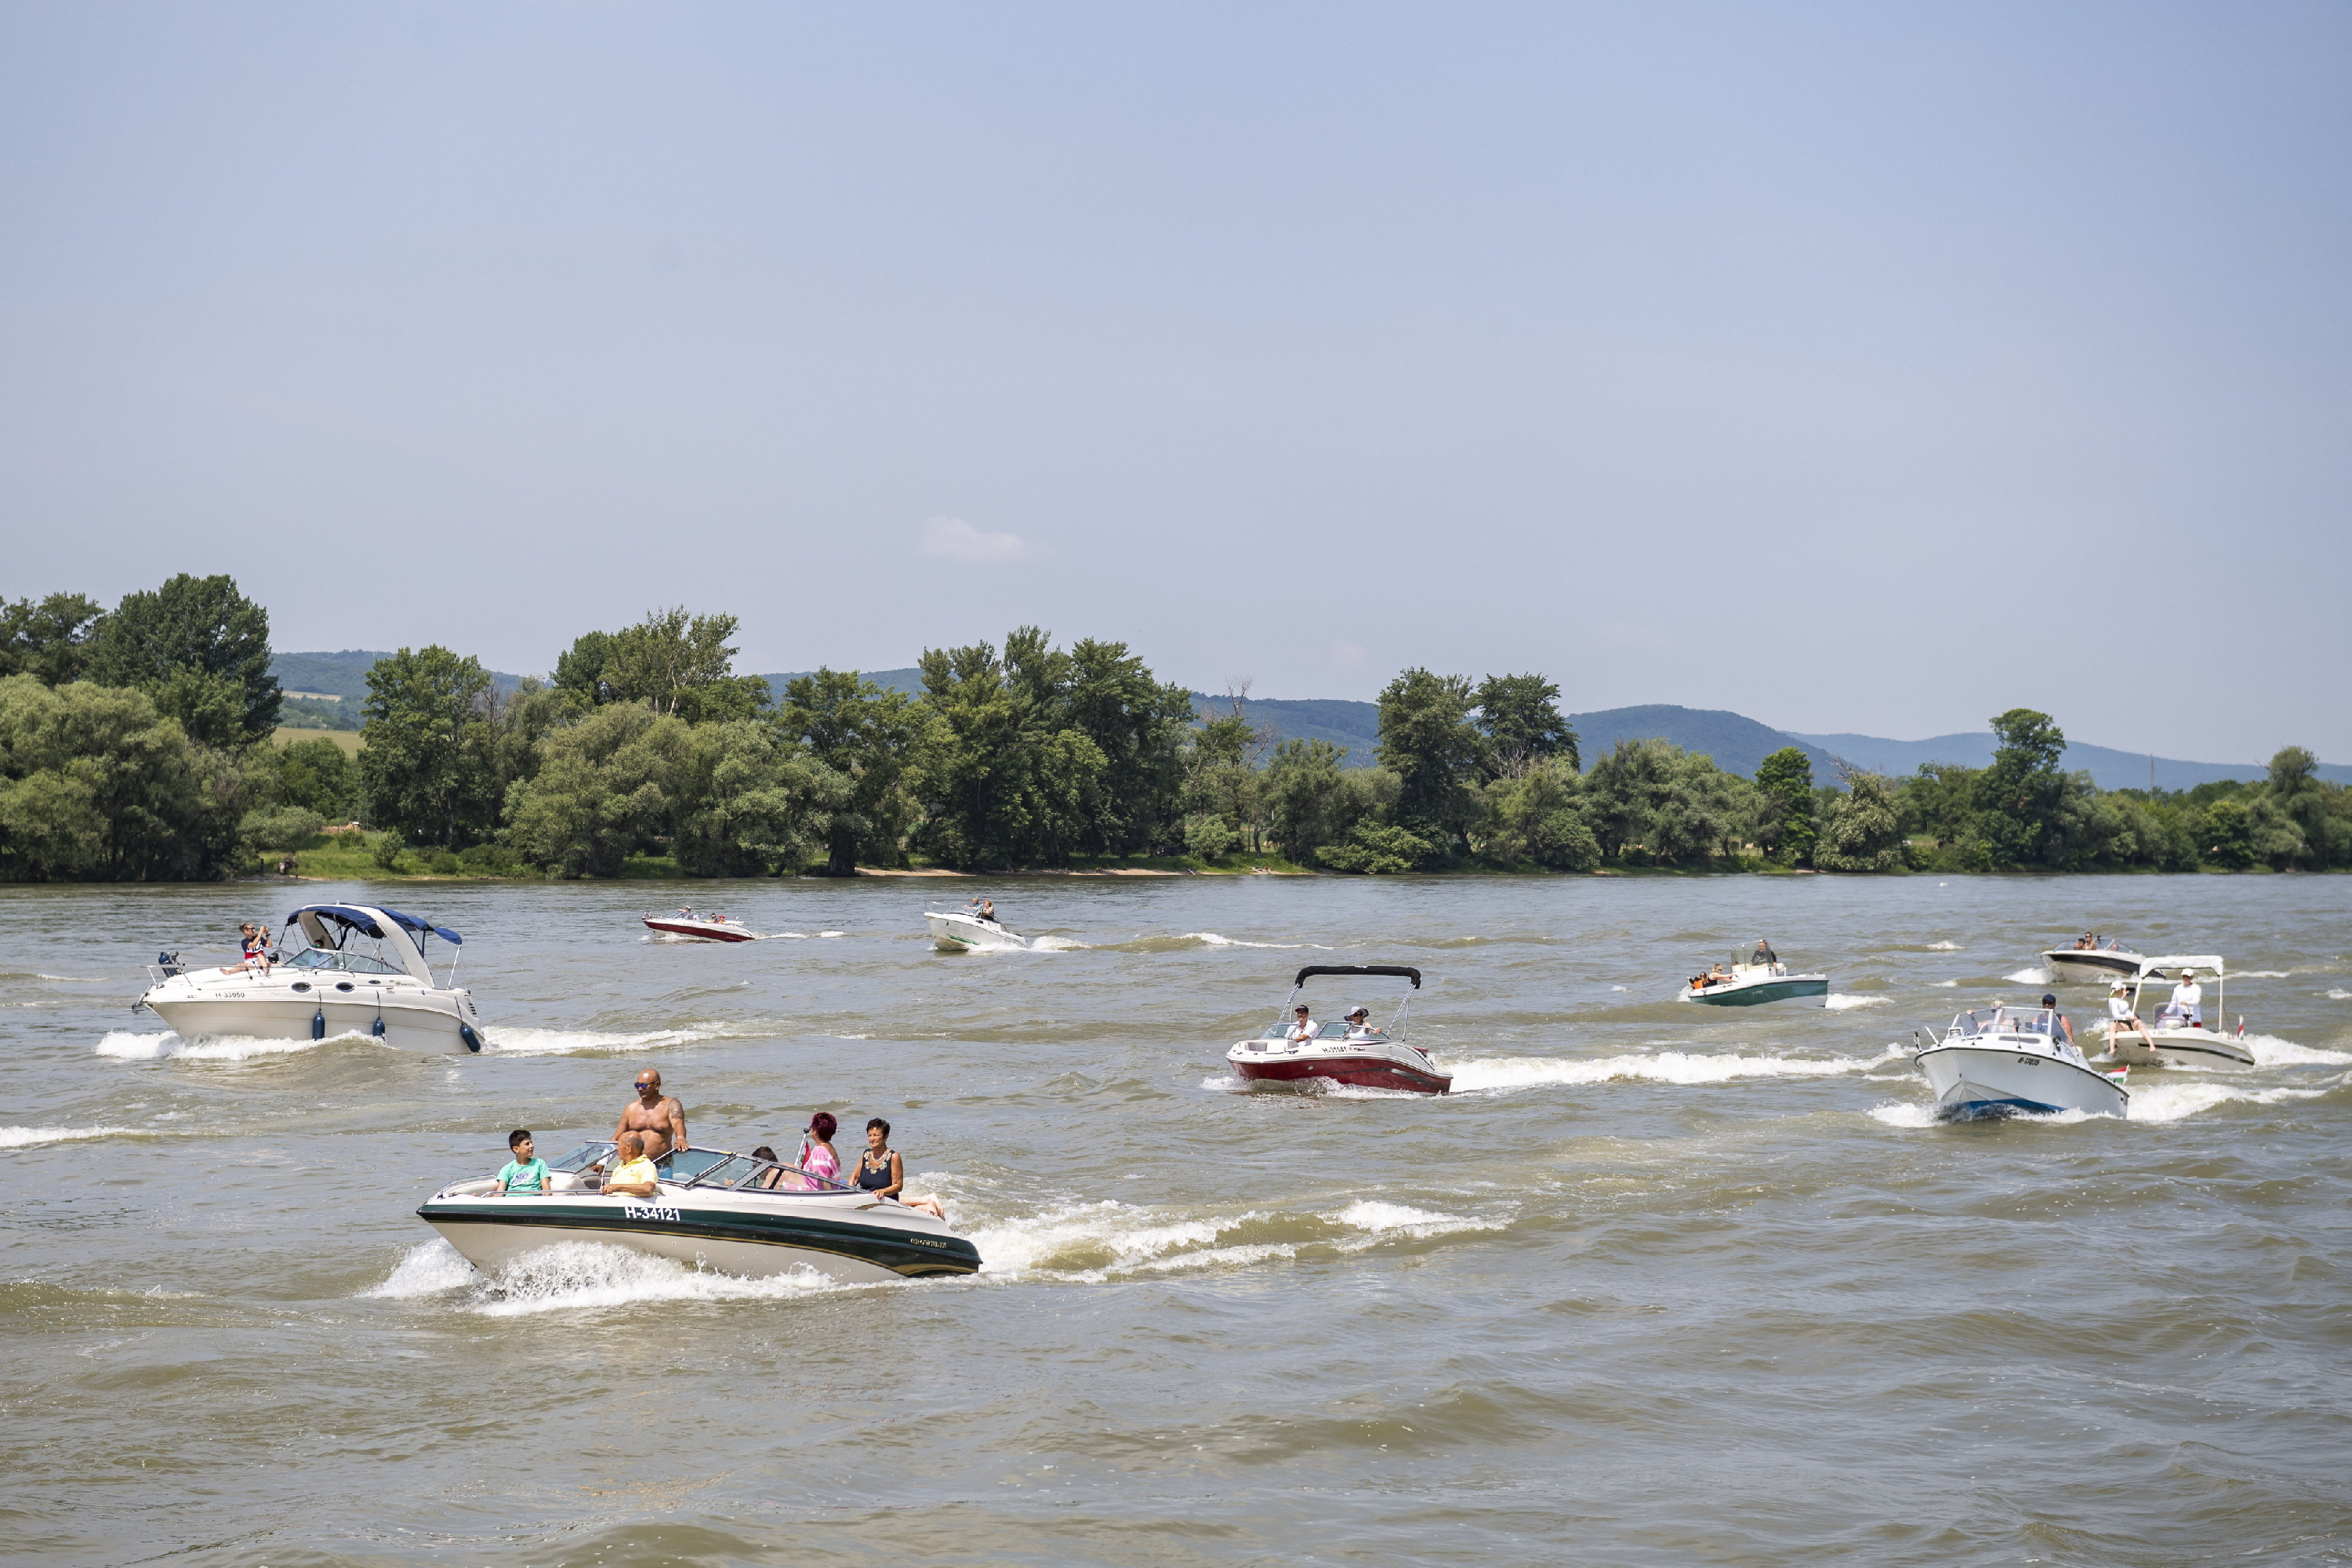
(883, 1174)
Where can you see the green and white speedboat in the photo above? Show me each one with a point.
(732, 1213)
(1747, 984)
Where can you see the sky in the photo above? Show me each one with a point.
(1858, 368)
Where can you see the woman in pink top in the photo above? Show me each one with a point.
(817, 1157)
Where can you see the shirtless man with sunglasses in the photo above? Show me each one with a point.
(656, 1117)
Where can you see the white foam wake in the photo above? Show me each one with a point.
(1912, 1114)
(1095, 1242)
(521, 1040)
(2258, 975)
(1946, 985)
(26, 1137)
(1380, 1218)
(2270, 1051)
(2338, 993)
(1944, 947)
(2176, 1101)
(2034, 976)
(124, 1045)
(579, 1276)
(1837, 1002)
(1210, 938)
(1665, 1066)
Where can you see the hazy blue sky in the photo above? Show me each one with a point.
(1863, 368)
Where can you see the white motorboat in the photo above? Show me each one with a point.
(2171, 1040)
(962, 932)
(690, 927)
(2004, 1061)
(2097, 965)
(733, 1213)
(1746, 984)
(1365, 1054)
(328, 987)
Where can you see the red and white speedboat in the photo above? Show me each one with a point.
(1352, 1050)
(692, 927)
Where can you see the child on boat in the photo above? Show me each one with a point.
(526, 1173)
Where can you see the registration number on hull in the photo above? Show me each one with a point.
(648, 1211)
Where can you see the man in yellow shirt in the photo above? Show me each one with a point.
(635, 1177)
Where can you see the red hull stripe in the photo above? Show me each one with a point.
(1363, 1074)
(703, 932)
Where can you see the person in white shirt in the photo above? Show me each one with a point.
(2121, 1020)
(1302, 1025)
(2188, 1000)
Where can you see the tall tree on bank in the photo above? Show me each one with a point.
(672, 662)
(1138, 724)
(1784, 785)
(2018, 798)
(871, 736)
(1437, 754)
(1012, 779)
(426, 754)
(201, 651)
(1520, 715)
(49, 641)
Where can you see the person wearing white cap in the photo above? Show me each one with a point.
(2188, 1003)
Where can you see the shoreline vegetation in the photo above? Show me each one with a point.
(144, 743)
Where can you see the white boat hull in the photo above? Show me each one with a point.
(1974, 1079)
(2177, 1048)
(969, 933)
(2093, 966)
(701, 931)
(405, 1017)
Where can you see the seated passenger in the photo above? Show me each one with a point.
(526, 1173)
(883, 1174)
(2188, 1002)
(634, 1176)
(2121, 1020)
(817, 1157)
(1302, 1025)
(1360, 1022)
(772, 1178)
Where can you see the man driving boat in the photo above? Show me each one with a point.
(1302, 1027)
(657, 1118)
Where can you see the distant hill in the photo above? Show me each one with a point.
(2108, 768)
(1738, 744)
(344, 675)
(909, 681)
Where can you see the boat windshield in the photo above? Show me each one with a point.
(2005, 1020)
(344, 963)
(580, 1159)
(707, 1168)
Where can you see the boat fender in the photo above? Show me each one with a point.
(473, 1041)
(376, 1028)
(319, 1025)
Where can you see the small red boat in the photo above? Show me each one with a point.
(1296, 1049)
(702, 927)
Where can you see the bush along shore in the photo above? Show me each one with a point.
(137, 744)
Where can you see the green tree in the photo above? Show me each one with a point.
(598, 794)
(201, 650)
(427, 761)
(1784, 786)
(1534, 817)
(872, 737)
(96, 786)
(676, 663)
(1224, 789)
(2315, 807)
(746, 802)
(1864, 832)
(1139, 725)
(51, 640)
(2018, 798)
(319, 775)
(1010, 780)
(1437, 754)
(2228, 832)
(1652, 798)
(1520, 715)
(580, 669)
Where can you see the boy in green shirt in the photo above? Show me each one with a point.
(526, 1173)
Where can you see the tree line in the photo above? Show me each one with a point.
(135, 744)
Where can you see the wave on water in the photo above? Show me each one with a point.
(2031, 976)
(1838, 1002)
(2270, 1051)
(1945, 947)
(2338, 993)
(521, 1040)
(1493, 1073)
(577, 1276)
(827, 933)
(2176, 1101)
(26, 1137)
(1094, 1242)
(1210, 938)
(2257, 974)
(1945, 985)
(1379, 1218)
(126, 1045)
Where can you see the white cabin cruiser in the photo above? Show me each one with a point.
(687, 926)
(962, 931)
(328, 987)
(2004, 1061)
(2173, 1038)
(733, 1213)
(1350, 1050)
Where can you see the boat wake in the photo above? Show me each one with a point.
(1944, 947)
(524, 1041)
(2033, 975)
(1491, 1074)
(2270, 1051)
(1091, 1243)
(125, 1044)
(2149, 1102)
(26, 1137)
(2338, 993)
(577, 1276)
(1838, 1002)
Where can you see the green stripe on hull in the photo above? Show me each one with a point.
(882, 1249)
(1780, 991)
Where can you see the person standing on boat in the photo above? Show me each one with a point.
(2054, 1022)
(656, 1117)
(1766, 956)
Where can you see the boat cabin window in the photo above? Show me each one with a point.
(345, 963)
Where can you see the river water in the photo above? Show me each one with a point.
(1659, 1284)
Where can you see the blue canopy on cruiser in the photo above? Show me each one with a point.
(399, 932)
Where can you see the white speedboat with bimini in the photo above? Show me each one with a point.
(329, 987)
(734, 1213)
(2177, 1036)
(2006, 1061)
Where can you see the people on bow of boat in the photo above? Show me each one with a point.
(881, 1172)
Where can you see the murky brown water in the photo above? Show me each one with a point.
(1663, 1284)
